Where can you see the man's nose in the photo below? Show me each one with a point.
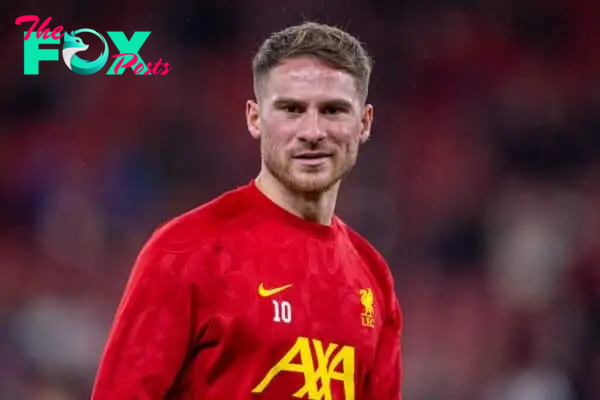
(311, 129)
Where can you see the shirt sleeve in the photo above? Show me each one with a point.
(152, 333)
(384, 380)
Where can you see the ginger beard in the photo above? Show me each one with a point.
(308, 179)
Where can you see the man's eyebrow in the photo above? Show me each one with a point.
(336, 103)
(284, 101)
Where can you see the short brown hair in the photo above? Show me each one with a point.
(331, 45)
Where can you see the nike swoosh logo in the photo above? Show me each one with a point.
(270, 292)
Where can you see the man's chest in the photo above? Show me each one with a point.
(315, 303)
(284, 321)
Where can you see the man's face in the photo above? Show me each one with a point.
(310, 120)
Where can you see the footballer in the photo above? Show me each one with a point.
(264, 293)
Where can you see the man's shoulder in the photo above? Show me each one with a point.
(220, 216)
(370, 256)
(377, 265)
(365, 249)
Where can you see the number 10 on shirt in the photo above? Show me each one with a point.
(282, 311)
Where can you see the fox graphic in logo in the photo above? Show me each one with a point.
(73, 45)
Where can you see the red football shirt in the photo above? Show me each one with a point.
(239, 299)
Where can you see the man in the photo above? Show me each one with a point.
(264, 293)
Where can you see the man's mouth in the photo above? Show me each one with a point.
(311, 155)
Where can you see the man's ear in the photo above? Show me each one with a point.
(367, 122)
(253, 118)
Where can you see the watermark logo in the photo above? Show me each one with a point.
(128, 56)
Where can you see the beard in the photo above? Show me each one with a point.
(306, 182)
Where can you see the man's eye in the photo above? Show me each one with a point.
(333, 110)
(293, 109)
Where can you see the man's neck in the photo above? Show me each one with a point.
(318, 208)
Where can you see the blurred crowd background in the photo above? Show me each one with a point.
(481, 184)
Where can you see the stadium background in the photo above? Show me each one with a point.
(481, 184)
